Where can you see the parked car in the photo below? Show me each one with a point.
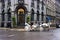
(27, 27)
(44, 25)
(41, 28)
(37, 27)
(34, 26)
(57, 25)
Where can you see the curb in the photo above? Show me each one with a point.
(21, 30)
(13, 29)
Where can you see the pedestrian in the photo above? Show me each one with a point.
(31, 25)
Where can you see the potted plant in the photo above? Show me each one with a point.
(28, 19)
(14, 21)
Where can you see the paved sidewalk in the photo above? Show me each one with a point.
(12, 29)
(22, 30)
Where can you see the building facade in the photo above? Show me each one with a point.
(21, 9)
(57, 3)
(50, 10)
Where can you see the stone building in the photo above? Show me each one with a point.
(50, 10)
(20, 9)
(57, 3)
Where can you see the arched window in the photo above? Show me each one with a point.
(42, 16)
(21, 11)
(9, 18)
(9, 14)
(3, 19)
(3, 15)
(32, 15)
(37, 15)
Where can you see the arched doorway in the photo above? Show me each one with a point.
(21, 17)
(21, 12)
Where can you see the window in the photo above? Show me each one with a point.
(38, 4)
(32, 3)
(42, 8)
(3, 15)
(38, 7)
(3, 3)
(38, 1)
(37, 15)
(32, 15)
(9, 14)
(9, 2)
(42, 14)
(21, 1)
(21, 11)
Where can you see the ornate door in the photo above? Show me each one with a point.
(21, 17)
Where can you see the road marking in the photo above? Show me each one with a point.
(10, 35)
